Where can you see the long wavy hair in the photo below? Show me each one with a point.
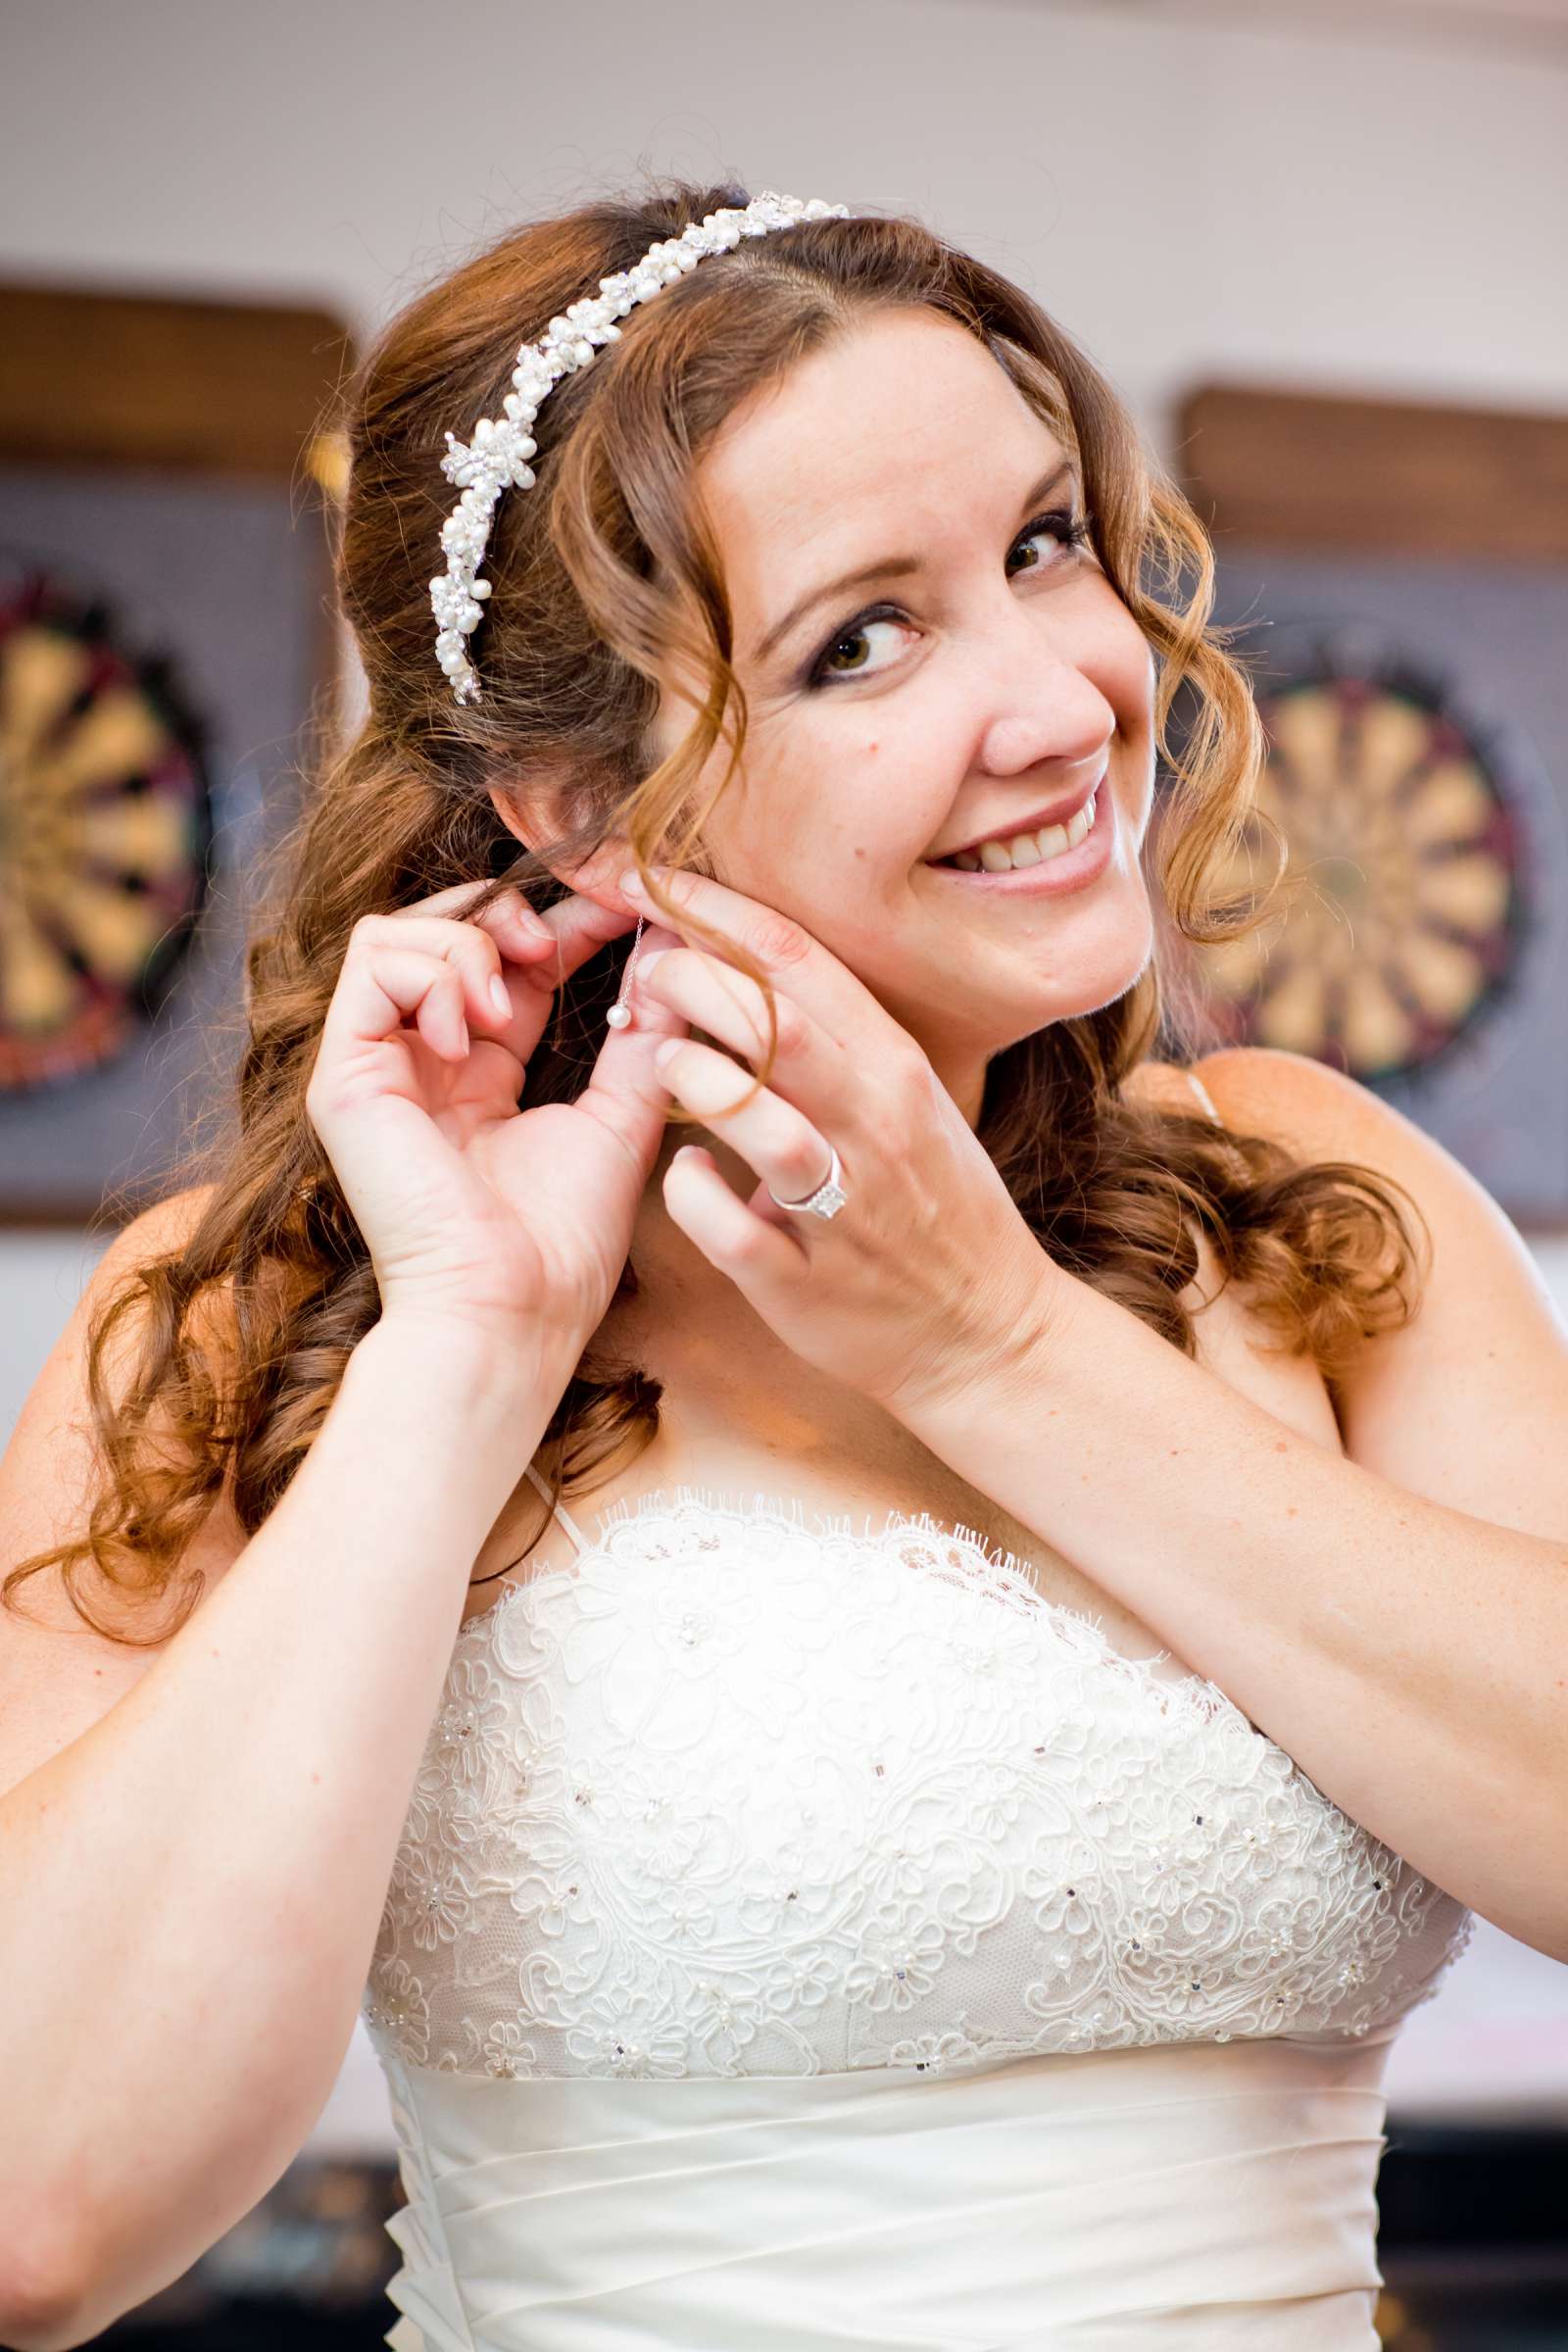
(229, 1347)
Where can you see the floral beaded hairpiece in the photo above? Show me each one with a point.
(497, 458)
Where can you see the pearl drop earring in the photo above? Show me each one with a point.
(619, 1014)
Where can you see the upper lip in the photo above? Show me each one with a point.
(1057, 812)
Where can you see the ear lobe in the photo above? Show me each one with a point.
(505, 804)
(595, 876)
(598, 875)
(541, 811)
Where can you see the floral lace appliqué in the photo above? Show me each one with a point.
(736, 1795)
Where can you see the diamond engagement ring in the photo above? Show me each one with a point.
(827, 1199)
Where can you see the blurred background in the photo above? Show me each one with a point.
(1320, 250)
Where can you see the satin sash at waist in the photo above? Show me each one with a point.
(1189, 2197)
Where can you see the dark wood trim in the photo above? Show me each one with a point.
(1308, 469)
(119, 378)
(83, 1216)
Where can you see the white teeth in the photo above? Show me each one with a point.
(1026, 848)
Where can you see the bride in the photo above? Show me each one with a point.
(1065, 1633)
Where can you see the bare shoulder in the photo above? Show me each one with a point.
(57, 1674)
(1160, 1085)
(1466, 1401)
(1304, 1103)
(1318, 1113)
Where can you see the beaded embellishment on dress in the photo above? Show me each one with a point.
(736, 1795)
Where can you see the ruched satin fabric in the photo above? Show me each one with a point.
(1191, 2197)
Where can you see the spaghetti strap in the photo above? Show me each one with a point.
(1204, 1096)
(563, 1517)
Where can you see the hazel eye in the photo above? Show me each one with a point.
(1067, 530)
(857, 631)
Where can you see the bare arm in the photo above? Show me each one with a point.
(194, 1859)
(1396, 1620)
(190, 1890)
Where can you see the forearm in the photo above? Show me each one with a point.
(1409, 1657)
(189, 1892)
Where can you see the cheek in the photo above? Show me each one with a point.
(1125, 668)
(891, 794)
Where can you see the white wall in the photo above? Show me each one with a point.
(1364, 199)
(1193, 191)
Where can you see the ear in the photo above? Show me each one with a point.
(539, 815)
(535, 812)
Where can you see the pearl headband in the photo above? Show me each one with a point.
(497, 458)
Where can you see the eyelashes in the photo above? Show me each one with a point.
(1070, 531)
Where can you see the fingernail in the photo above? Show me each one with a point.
(631, 884)
(665, 1053)
(498, 995)
(648, 958)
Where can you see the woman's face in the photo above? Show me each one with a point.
(984, 672)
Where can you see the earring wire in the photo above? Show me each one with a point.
(619, 1014)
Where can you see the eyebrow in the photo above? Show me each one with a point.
(890, 567)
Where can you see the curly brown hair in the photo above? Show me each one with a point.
(236, 1338)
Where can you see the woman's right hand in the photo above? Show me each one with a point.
(479, 1217)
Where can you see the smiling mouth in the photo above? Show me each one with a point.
(1038, 846)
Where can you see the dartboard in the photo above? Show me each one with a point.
(105, 830)
(1408, 842)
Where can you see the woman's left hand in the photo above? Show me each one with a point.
(928, 1273)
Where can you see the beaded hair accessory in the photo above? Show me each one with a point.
(496, 459)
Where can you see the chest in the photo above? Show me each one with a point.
(782, 1430)
(739, 1797)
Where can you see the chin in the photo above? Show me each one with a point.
(1105, 973)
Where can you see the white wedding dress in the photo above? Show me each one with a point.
(803, 1938)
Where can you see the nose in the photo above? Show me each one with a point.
(1046, 713)
(1038, 705)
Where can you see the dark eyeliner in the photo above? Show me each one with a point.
(1072, 531)
(809, 677)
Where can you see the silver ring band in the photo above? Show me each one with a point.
(827, 1199)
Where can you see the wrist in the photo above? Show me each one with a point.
(491, 1374)
(1010, 1365)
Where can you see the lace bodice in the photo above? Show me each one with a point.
(734, 1793)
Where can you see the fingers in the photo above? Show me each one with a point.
(785, 1148)
(471, 951)
(553, 942)
(476, 962)
(434, 972)
(493, 973)
(796, 963)
(625, 1090)
(716, 996)
(445, 970)
(509, 919)
(578, 928)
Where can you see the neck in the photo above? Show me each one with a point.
(729, 1376)
(730, 1379)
